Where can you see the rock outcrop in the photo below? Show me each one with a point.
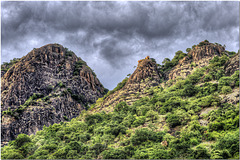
(196, 58)
(144, 77)
(232, 65)
(48, 85)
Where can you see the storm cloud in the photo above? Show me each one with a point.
(112, 36)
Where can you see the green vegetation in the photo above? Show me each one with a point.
(119, 86)
(206, 42)
(61, 85)
(21, 108)
(68, 53)
(188, 49)
(6, 66)
(78, 66)
(166, 125)
(168, 64)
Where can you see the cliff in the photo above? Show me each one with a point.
(48, 85)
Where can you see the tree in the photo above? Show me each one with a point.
(165, 60)
(188, 49)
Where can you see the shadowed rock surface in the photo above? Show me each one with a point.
(232, 65)
(48, 85)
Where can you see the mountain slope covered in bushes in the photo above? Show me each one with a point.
(193, 115)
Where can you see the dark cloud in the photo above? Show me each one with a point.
(112, 36)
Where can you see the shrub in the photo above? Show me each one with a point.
(226, 89)
(188, 49)
(230, 142)
(141, 154)
(152, 115)
(225, 81)
(201, 153)
(173, 120)
(196, 76)
(142, 110)
(116, 129)
(160, 154)
(83, 137)
(139, 121)
(93, 119)
(97, 149)
(21, 140)
(207, 78)
(121, 107)
(79, 147)
(60, 154)
(50, 147)
(174, 102)
(113, 153)
(12, 155)
(216, 126)
(189, 90)
(143, 134)
(220, 154)
(128, 121)
(72, 154)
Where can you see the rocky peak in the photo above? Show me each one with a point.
(198, 57)
(206, 49)
(48, 85)
(144, 77)
(146, 69)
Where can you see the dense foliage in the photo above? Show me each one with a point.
(168, 64)
(167, 125)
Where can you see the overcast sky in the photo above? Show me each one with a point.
(112, 36)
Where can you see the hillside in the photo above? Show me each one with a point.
(188, 107)
(48, 85)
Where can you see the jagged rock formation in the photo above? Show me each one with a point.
(145, 76)
(197, 58)
(48, 85)
(232, 65)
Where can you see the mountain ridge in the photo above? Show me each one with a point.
(152, 116)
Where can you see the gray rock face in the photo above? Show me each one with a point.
(232, 65)
(63, 83)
